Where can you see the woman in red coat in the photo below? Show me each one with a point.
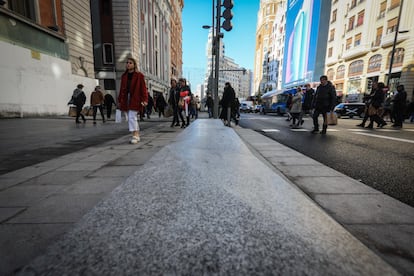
(133, 96)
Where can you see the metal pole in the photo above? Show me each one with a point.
(394, 45)
(213, 37)
(217, 62)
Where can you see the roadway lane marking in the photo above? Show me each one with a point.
(270, 130)
(299, 129)
(386, 137)
(409, 129)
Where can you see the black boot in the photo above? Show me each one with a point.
(324, 127)
(315, 130)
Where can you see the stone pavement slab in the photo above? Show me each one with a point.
(211, 208)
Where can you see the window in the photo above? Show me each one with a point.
(340, 72)
(357, 40)
(383, 7)
(332, 35)
(356, 68)
(351, 23)
(155, 21)
(353, 4)
(392, 25)
(108, 56)
(330, 74)
(330, 52)
(374, 63)
(25, 8)
(348, 43)
(394, 4)
(334, 16)
(378, 37)
(360, 19)
(398, 58)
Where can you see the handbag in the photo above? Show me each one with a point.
(181, 102)
(168, 111)
(332, 118)
(72, 111)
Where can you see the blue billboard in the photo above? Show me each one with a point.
(305, 41)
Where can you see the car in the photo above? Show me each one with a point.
(350, 110)
(244, 107)
(257, 108)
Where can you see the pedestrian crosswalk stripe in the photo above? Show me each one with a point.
(300, 129)
(386, 137)
(270, 130)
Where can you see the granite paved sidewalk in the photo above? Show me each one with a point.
(205, 204)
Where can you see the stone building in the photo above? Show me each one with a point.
(360, 43)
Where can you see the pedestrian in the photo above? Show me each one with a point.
(377, 99)
(79, 99)
(173, 101)
(148, 108)
(226, 103)
(296, 109)
(323, 102)
(109, 101)
(399, 106)
(209, 104)
(133, 96)
(97, 101)
(185, 93)
(307, 99)
(160, 103)
(288, 106)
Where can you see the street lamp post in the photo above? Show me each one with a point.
(394, 45)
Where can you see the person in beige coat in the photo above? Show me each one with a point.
(296, 109)
(97, 101)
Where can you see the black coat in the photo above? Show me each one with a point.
(325, 98)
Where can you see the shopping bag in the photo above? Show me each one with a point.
(332, 118)
(168, 111)
(118, 116)
(72, 111)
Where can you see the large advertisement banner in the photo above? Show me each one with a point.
(301, 40)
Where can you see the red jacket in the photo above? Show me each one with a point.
(138, 90)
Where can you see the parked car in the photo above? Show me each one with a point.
(244, 107)
(257, 108)
(350, 109)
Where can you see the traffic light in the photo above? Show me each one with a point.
(227, 15)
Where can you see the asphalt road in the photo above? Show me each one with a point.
(382, 159)
(28, 141)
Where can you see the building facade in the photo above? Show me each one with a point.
(45, 51)
(265, 18)
(360, 43)
(48, 47)
(176, 38)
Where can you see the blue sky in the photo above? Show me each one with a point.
(239, 43)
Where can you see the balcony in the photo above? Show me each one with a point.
(388, 39)
(356, 51)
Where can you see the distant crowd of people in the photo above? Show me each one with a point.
(181, 104)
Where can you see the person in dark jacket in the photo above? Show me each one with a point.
(209, 104)
(109, 101)
(399, 105)
(377, 99)
(173, 101)
(79, 99)
(323, 102)
(307, 99)
(160, 104)
(227, 102)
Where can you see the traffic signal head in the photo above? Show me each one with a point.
(227, 15)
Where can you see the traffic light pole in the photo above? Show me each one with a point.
(217, 60)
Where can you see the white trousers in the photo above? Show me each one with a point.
(133, 120)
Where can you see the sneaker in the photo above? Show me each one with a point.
(94, 122)
(135, 140)
(315, 131)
